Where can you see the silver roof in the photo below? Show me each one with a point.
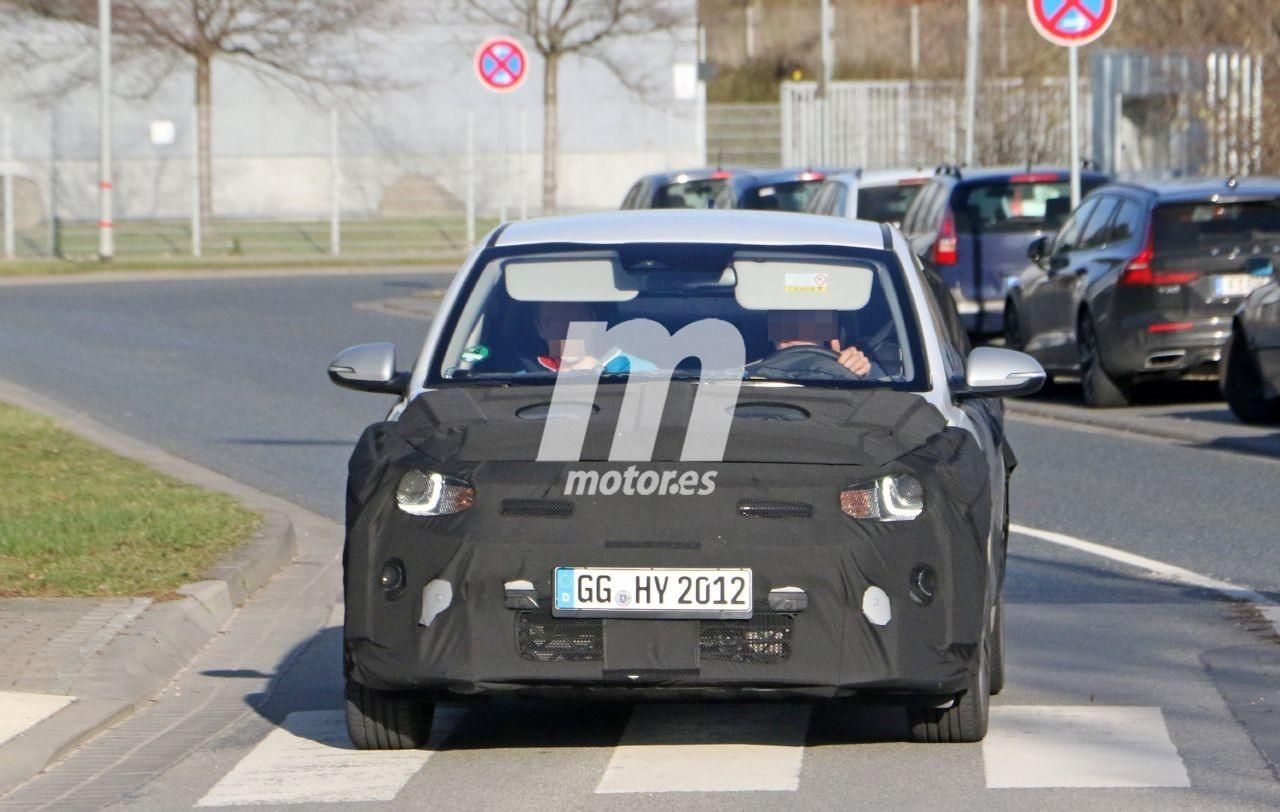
(728, 227)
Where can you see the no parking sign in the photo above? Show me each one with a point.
(501, 64)
(1071, 22)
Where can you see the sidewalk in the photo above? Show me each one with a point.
(70, 667)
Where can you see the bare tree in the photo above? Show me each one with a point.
(303, 45)
(559, 28)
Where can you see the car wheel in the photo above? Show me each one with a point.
(382, 720)
(1101, 391)
(1241, 382)
(966, 719)
(997, 648)
(1013, 339)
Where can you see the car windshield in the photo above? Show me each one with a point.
(693, 194)
(887, 204)
(1192, 227)
(787, 196)
(1022, 203)
(684, 310)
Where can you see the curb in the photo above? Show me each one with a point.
(145, 656)
(1267, 447)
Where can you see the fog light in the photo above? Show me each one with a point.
(923, 584)
(427, 493)
(392, 579)
(892, 498)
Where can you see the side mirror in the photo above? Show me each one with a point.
(368, 368)
(1260, 266)
(993, 372)
(1038, 249)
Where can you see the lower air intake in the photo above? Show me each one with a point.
(763, 640)
(541, 638)
(538, 508)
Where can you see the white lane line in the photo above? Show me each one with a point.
(709, 748)
(19, 712)
(310, 760)
(1159, 570)
(1087, 746)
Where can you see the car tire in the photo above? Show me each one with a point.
(382, 720)
(1013, 338)
(966, 720)
(1241, 382)
(997, 648)
(1100, 390)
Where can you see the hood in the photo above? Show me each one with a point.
(770, 425)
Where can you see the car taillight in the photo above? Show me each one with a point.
(1138, 271)
(946, 249)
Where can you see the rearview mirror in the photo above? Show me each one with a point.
(992, 372)
(1038, 249)
(368, 368)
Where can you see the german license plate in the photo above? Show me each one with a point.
(1237, 284)
(656, 593)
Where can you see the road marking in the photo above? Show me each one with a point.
(310, 760)
(1087, 746)
(1159, 570)
(721, 748)
(20, 712)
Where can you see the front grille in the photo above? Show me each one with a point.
(763, 640)
(538, 508)
(542, 638)
(772, 509)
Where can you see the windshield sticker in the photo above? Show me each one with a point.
(477, 353)
(805, 283)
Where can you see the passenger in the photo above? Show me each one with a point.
(552, 322)
(806, 345)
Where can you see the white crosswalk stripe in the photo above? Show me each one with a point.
(310, 760)
(1088, 746)
(723, 748)
(19, 711)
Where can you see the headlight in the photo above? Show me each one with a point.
(893, 498)
(426, 493)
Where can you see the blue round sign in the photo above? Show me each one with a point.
(1072, 22)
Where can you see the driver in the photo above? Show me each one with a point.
(807, 346)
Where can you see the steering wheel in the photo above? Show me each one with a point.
(807, 349)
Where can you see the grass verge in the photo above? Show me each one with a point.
(60, 267)
(76, 519)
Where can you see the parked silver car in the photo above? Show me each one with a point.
(712, 453)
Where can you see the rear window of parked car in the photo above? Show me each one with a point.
(788, 196)
(694, 194)
(1200, 226)
(1011, 205)
(886, 204)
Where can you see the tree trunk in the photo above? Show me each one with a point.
(550, 131)
(204, 114)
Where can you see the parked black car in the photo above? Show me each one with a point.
(1251, 361)
(972, 226)
(680, 189)
(1143, 281)
(772, 189)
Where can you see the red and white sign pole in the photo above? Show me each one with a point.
(502, 65)
(106, 241)
(1072, 23)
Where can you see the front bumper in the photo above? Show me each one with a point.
(483, 641)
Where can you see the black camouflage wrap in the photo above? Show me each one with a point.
(849, 436)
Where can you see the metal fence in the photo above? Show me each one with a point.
(1179, 113)
(744, 135)
(887, 124)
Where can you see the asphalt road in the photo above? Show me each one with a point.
(1121, 690)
